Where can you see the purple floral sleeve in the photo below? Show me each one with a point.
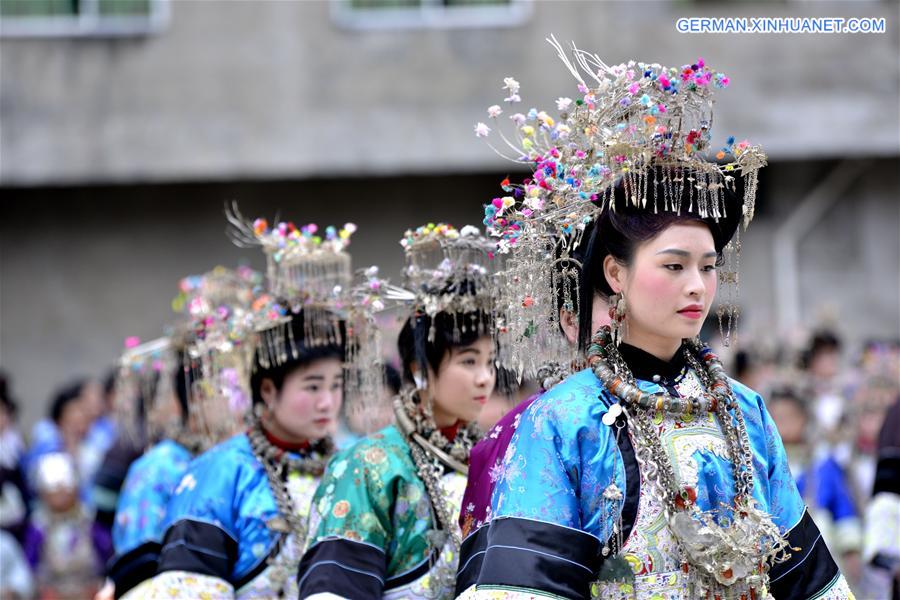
(484, 463)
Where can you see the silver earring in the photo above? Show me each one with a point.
(617, 312)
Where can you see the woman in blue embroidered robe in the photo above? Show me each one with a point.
(227, 534)
(550, 519)
(141, 507)
(570, 487)
(218, 535)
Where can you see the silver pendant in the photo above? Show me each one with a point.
(436, 538)
(278, 524)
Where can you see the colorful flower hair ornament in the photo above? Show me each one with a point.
(633, 121)
(218, 333)
(447, 270)
(643, 127)
(309, 270)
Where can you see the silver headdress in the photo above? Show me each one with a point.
(310, 280)
(540, 276)
(643, 128)
(306, 273)
(218, 352)
(144, 379)
(449, 271)
(364, 379)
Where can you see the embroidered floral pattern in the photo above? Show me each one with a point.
(562, 458)
(371, 493)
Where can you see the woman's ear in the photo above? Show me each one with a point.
(268, 391)
(568, 321)
(614, 272)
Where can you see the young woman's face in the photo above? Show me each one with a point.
(60, 499)
(789, 419)
(307, 406)
(669, 287)
(463, 382)
(73, 422)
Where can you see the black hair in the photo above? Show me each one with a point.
(416, 348)
(146, 393)
(304, 356)
(785, 394)
(619, 232)
(183, 379)
(6, 399)
(822, 341)
(109, 381)
(392, 379)
(65, 396)
(424, 340)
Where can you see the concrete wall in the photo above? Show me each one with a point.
(82, 268)
(848, 262)
(116, 155)
(276, 89)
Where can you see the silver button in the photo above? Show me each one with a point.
(656, 378)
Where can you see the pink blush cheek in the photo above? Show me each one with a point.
(299, 404)
(655, 286)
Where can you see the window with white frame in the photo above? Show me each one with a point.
(409, 14)
(95, 18)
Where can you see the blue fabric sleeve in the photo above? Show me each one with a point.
(141, 507)
(833, 485)
(561, 459)
(773, 482)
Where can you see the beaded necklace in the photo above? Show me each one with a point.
(432, 453)
(279, 465)
(722, 558)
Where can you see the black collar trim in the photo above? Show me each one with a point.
(644, 365)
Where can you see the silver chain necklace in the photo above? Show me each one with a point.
(432, 452)
(279, 465)
(725, 558)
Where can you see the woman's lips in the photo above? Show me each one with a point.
(691, 313)
(482, 400)
(322, 422)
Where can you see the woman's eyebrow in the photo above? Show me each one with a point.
(313, 377)
(469, 349)
(684, 253)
